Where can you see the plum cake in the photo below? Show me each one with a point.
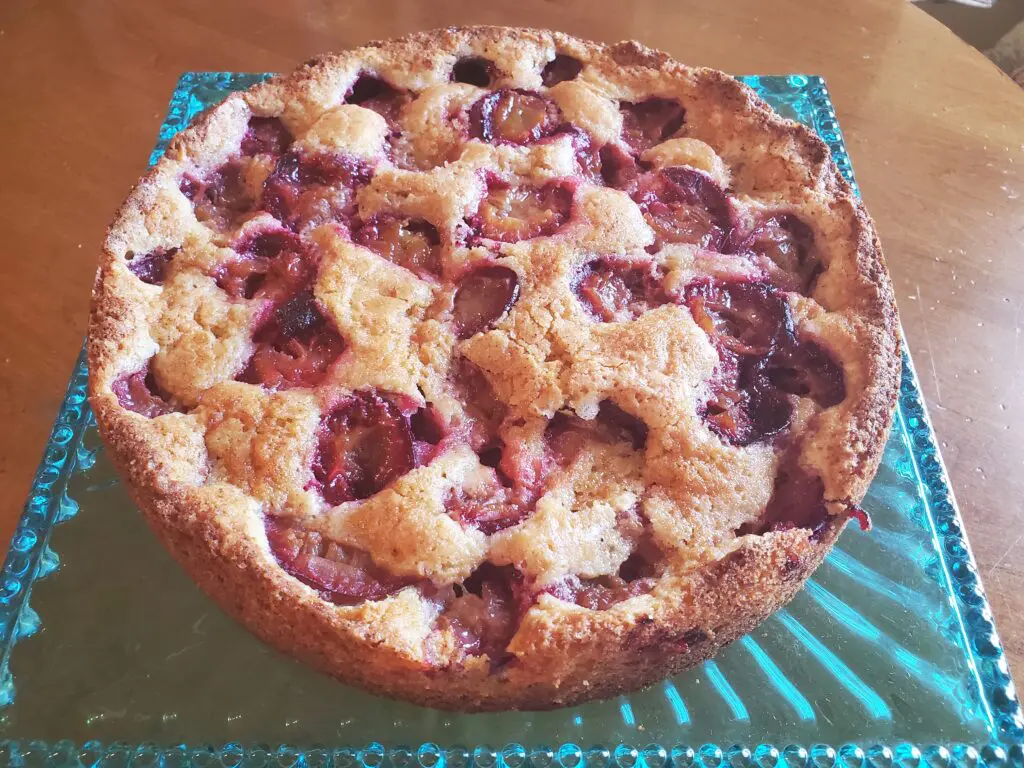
(492, 368)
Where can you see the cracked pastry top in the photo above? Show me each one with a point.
(494, 368)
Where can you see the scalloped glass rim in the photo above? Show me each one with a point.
(804, 98)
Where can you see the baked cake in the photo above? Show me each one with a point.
(492, 368)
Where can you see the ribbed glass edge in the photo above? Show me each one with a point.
(960, 568)
(93, 754)
(30, 557)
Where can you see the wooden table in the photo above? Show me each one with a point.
(936, 134)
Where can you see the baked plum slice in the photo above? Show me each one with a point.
(484, 412)
(139, 392)
(411, 243)
(294, 348)
(618, 169)
(601, 593)
(474, 70)
(273, 265)
(265, 136)
(365, 443)
(587, 155)
(151, 267)
(761, 360)
(617, 290)
(429, 431)
(483, 296)
(744, 407)
(511, 493)
(485, 611)
(307, 189)
(505, 501)
(807, 370)
(225, 197)
(637, 574)
(798, 501)
(489, 509)
(743, 317)
(510, 213)
(372, 92)
(343, 575)
(608, 164)
(783, 245)
(650, 122)
(745, 321)
(561, 68)
(513, 116)
(684, 205)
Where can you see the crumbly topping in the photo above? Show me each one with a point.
(497, 325)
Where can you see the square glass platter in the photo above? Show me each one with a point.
(889, 656)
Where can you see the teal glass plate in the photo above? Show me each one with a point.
(889, 656)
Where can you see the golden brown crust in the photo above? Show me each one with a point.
(209, 513)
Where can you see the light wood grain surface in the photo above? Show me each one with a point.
(935, 132)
